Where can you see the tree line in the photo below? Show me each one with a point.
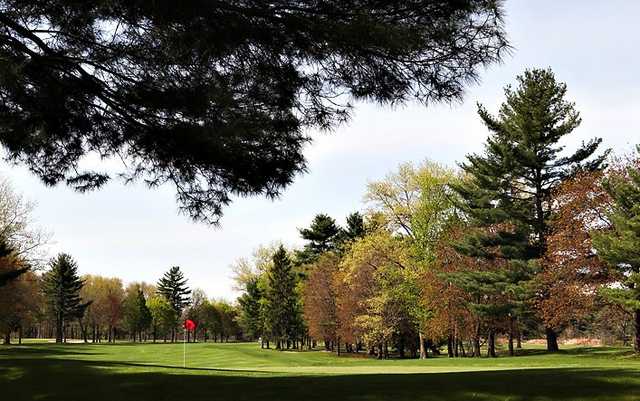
(525, 239)
(61, 304)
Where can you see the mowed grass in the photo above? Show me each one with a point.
(98, 372)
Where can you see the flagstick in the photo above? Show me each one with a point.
(184, 348)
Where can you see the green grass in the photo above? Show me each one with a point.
(245, 372)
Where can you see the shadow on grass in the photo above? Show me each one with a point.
(32, 376)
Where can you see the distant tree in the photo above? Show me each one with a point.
(195, 311)
(137, 316)
(61, 286)
(219, 109)
(173, 286)
(380, 289)
(319, 300)
(281, 299)
(354, 229)
(250, 319)
(20, 301)
(212, 321)
(228, 320)
(323, 235)
(163, 316)
(509, 193)
(416, 203)
(14, 266)
(620, 247)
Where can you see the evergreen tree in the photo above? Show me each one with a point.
(137, 315)
(61, 286)
(250, 319)
(173, 287)
(620, 247)
(8, 253)
(281, 297)
(355, 228)
(219, 108)
(323, 235)
(510, 186)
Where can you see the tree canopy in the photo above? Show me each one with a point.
(215, 97)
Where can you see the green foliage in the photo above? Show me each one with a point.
(61, 286)
(137, 316)
(323, 235)
(508, 196)
(282, 303)
(173, 287)
(510, 185)
(163, 316)
(250, 318)
(219, 108)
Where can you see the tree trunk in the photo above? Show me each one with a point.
(59, 328)
(450, 344)
(423, 350)
(7, 337)
(636, 318)
(491, 344)
(552, 340)
(476, 346)
(511, 335)
(20, 335)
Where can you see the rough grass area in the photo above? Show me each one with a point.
(245, 372)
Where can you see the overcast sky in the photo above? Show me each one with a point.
(136, 234)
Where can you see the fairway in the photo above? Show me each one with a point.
(245, 372)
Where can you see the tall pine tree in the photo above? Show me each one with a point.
(509, 191)
(620, 247)
(282, 299)
(61, 286)
(173, 287)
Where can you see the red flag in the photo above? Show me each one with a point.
(189, 325)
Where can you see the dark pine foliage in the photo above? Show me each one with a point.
(214, 97)
(173, 287)
(282, 309)
(508, 195)
(9, 275)
(61, 286)
(355, 227)
(323, 235)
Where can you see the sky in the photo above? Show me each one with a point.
(135, 233)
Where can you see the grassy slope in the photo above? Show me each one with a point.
(244, 372)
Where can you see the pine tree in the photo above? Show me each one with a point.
(281, 297)
(250, 318)
(137, 315)
(8, 253)
(509, 193)
(61, 286)
(355, 228)
(620, 247)
(173, 287)
(322, 236)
